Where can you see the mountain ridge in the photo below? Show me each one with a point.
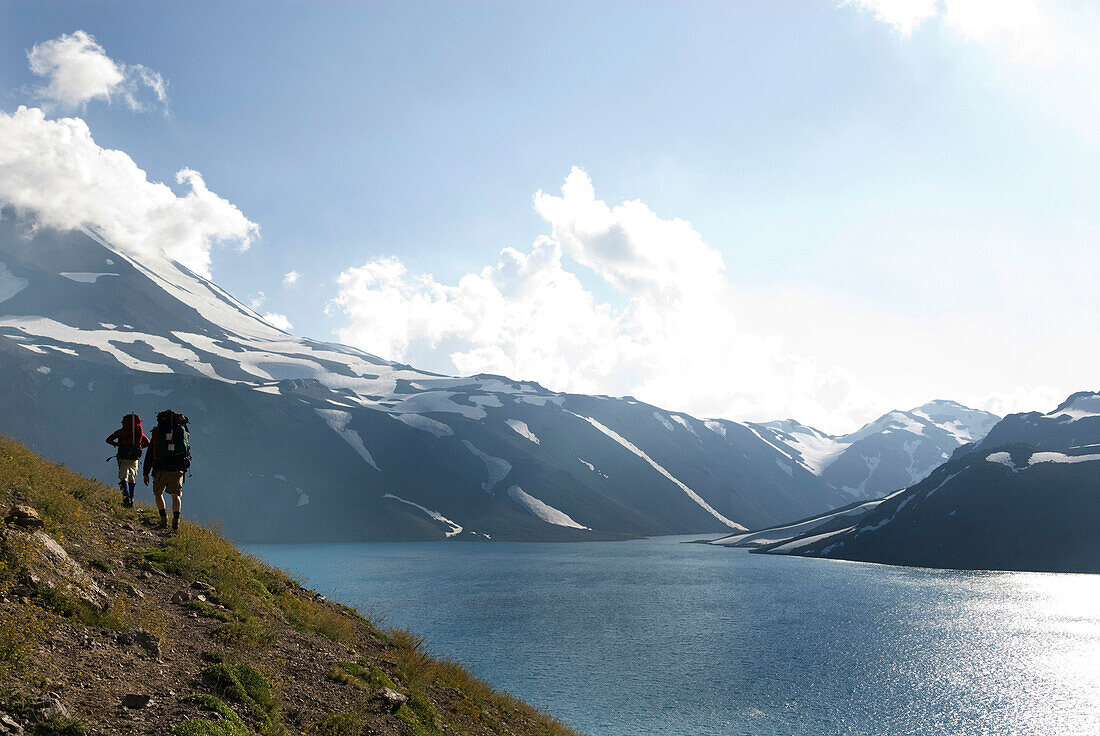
(1022, 498)
(344, 434)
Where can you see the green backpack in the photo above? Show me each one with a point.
(173, 442)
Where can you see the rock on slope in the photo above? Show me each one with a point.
(298, 440)
(1025, 498)
(894, 451)
(192, 638)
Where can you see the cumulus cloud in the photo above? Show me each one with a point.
(76, 70)
(278, 320)
(675, 342)
(53, 171)
(1036, 31)
(905, 15)
(291, 278)
(257, 302)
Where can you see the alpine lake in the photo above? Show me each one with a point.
(658, 636)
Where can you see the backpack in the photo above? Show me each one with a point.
(173, 442)
(129, 447)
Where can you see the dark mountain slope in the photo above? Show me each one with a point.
(1008, 508)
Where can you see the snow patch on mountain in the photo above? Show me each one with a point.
(542, 510)
(498, 467)
(110, 342)
(664, 422)
(1060, 457)
(10, 284)
(684, 423)
(425, 424)
(777, 534)
(690, 493)
(717, 427)
(454, 528)
(805, 542)
(440, 402)
(1005, 458)
(1079, 406)
(593, 468)
(84, 277)
(522, 430)
(338, 421)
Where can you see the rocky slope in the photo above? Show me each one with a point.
(296, 439)
(109, 626)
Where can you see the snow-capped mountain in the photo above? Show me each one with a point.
(895, 451)
(1075, 422)
(1024, 498)
(296, 439)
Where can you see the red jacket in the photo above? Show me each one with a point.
(126, 437)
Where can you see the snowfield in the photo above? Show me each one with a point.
(543, 511)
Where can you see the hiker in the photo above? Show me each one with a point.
(168, 458)
(130, 441)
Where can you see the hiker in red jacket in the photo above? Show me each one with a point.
(130, 441)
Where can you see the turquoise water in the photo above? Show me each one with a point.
(659, 637)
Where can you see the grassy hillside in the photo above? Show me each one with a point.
(109, 626)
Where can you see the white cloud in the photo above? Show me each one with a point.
(905, 15)
(1035, 31)
(291, 278)
(1020, 399)
(675, 343)
(278, 320)
(76, 70)
(54, 171)
(257, 302)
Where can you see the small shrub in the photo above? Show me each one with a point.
(65, 605)
(314, 617)
(19, 635)
(337, 724)
(351, 673)
(208, 611)
(229, 723)
(62, 727)
(242, 683)
(246, 633)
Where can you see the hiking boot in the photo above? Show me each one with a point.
(163, 520)
(175, 521)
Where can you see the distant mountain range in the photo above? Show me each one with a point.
(892, 452)
(301, 440)
(1023, 498)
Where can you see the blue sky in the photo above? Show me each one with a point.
(904, 195)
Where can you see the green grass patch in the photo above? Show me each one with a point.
(62, 727)
(337, 724)
(65, 605)
(314, 617)
(207, 610)
(247, 633)
(19, 635)
(228, 724)
(355, 674)
(242, 683)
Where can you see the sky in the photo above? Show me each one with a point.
(754, 210)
